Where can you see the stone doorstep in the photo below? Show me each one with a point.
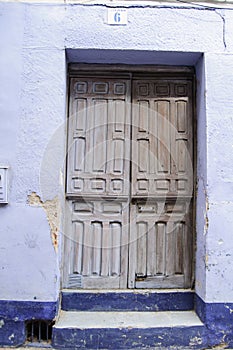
(128, 330)
(129, 319)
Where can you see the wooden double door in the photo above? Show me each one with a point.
(129, 181)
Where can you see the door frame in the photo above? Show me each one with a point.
(145, 71)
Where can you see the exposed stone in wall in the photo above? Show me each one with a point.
(53, 211)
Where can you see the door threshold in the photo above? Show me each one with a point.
(141, 291)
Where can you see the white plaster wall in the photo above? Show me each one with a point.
(160, 29)
(201, 180)
(33, 111)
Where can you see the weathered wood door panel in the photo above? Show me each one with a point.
(99, 137)
(97, 246)
(98, 182)
(160, 245)
(162, 138)
(161, 235)
(129, 183)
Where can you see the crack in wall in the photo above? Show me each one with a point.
(189, 6)
(52, 210)
(181, 4)
(222, 16)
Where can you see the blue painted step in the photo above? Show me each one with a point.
(127, 300)
(129, 330)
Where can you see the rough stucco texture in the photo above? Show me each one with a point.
(33, 104)
(183, 30)
(219, 103)
(33, 94)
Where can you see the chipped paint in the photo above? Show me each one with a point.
(53, 213)
(11, 336)
(231, 310)
(195, 341)
(206, 261)
(2, 323)
(126, 301)
(207, 206)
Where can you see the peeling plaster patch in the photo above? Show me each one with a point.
(52, 209)
(1, 323)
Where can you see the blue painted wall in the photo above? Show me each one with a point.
(37, 42)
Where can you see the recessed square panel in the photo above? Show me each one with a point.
(98, 185)
(143, 185)
(119, 89)
(181, 90)
(83, 207)
(162, 89)
(181, 185)
(143, 89)
(162, 185)
(111, 208)
(117, 185)
(100, 88)
(78, 184)
(175, 207)
(81, 87)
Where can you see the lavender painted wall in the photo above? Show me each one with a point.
(33, 97)
(33, 58)
(219, 105)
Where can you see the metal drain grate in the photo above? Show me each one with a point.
(39, 331)
(75, 281)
